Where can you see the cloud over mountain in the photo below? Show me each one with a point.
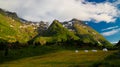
(110, 28)
(47, 10)
(111, 32)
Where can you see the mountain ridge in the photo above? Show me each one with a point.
(12, 29)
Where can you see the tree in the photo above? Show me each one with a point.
(118, 44)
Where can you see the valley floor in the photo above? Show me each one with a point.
(63, 58)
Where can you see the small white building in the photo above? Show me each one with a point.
(105, 49)
(76, 51)
(94, 50)
(86, 51)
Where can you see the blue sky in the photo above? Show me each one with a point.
(111, 31)
(102, 15)
(99, 1)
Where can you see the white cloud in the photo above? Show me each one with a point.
(114, 42)
(112, 32)
(110, 28)
(117, 4)
(47, 10)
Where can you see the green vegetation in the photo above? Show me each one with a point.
(12, 31)
(22, 45)
(14, 54)
(110, 61)
(59, 58)
(89, 35)
(118, 45)
(56, 33)
(82, 36)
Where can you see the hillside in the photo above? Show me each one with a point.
(56, 33)
(12, 30)
(73, 32)
(86, 34)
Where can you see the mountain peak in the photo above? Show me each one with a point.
(70, 31)
(55, 21)
(74, 19)
(55, 28)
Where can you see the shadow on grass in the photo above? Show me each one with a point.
(27, 52)
(110, 61)
(30, 51)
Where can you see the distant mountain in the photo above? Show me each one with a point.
(74, 31)
(13, 15)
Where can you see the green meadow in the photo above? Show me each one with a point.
(52, 56)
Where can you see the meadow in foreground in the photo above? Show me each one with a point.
(60, 58)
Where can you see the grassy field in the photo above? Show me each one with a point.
(63, 58)
(110, 61)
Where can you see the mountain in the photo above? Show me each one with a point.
(75, 32)
(72, 32)
(13, 30)
(87, 34)
(56, 33)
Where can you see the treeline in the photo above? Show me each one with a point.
(15, 45)
(4, 45)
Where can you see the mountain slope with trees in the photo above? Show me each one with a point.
(13, 30)
(56, 33)
(74, 32)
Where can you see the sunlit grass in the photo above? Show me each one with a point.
(64, 58)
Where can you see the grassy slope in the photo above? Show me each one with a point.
(15, 54)
(56, 33)
(110, 61)
(89, 35)
(64, 58)
(10, 30)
